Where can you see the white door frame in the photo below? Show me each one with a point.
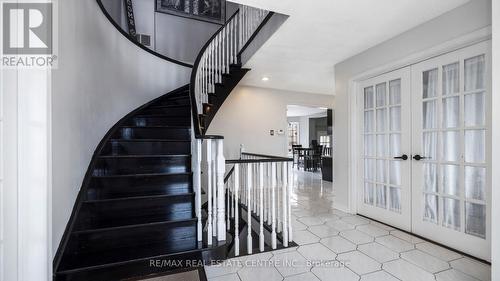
(354, 125)
(25, 190)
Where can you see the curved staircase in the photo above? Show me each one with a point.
(138, 207)
(135, 216)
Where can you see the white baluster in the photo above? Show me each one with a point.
(232, 195)
(236, 210)
(197, 186)
(240, 33)
(261, 206)
(212, 67)
(228, 204)
(221, 55)
(255, 191)
(228, 48)
(235, 33)
(214, 187)
(231, 40)
(278, 197)
(223, 50)
(289, 201)
(221, 208)
(273, 187)
(285, 203)
(269, 192)
(249, 209)
(209, 190)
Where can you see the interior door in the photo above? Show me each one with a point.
(451, 149)
(385, 148)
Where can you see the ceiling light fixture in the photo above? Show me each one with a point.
(265, 78)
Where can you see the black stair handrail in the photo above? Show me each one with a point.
(264, 156)
(134, 40)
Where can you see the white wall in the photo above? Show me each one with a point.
(102, 76)
(495, 241)
(460, 21)
(249, 113)
(176, 37)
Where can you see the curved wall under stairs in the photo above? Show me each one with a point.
(101, 77)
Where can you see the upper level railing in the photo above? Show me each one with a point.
(219, 53)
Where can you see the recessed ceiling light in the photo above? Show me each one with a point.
(265, 78)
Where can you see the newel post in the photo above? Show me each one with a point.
(221, 206)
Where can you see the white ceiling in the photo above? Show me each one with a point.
(301, 55)
(299, 111)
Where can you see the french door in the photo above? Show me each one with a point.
(426, 157)
(385, 194)
(451, 129)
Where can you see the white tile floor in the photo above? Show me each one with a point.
(337, 246)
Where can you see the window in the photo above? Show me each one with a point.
(293, 135)
(324, 141)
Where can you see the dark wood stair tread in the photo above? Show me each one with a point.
(148, 140)
(144, 156)
(138, 197)
(143, 175)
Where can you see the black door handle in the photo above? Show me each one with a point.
(402, 157)
(418, 157)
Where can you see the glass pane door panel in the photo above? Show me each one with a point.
(395, 145)
(450, 149)
(381, 196)
(430, 114)
(451, 112)
(450, 179)
(370, 170)
(451, 213)
(381, 145)
(429, 145)
(451, 79)
(395, 118)
(475, 73)
(395, 173)
(475, 146)
(430, 207)
(430, 177)
(369, 145)
(369, 121)
(369, 99)
(475, 219)
(381, 95)
(475, 113)
(430, 78)
(395, 199)
(381, 120)
(368, 192)
(381, 171)
(475, 183)
(395, 92)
